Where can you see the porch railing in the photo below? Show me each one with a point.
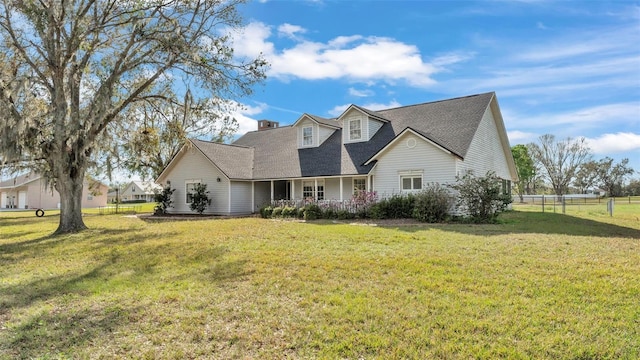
(335, 205)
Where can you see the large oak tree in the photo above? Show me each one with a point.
(71, 69)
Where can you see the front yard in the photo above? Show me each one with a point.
(538, 285)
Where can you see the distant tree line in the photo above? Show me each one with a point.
(567, 166)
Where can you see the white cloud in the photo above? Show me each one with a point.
(290, 31)
(250, 42)
(595, 116)
(339, 109)
(615, 143)
(244, 115)
(521, 137)
(354, 58)
(360, 93)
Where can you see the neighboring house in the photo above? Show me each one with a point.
(389, 151)
(140, 191)
(30, 191)
(112, 196)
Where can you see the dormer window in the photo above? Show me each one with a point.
(307, 136)
(355, 129)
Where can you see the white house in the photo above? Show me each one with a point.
(140, 191)
(30, 191)
(389, 151)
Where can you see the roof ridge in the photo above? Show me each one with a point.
(437, 101)
(218, 143)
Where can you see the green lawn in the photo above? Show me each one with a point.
(538, 285)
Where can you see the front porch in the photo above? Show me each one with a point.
(319, 189)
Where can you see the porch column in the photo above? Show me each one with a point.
(368, 182)
(315, 189)
(253, 197)
(341, 178)
(293, 190)
(271, 190)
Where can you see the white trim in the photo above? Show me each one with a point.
(229, 194)
(306, 116)
(303, 144)
(349, 130)
(272, 191)
(353, 183)
(186, 191)
(410, 174)
(356, 108)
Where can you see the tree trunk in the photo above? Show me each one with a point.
(70, 186)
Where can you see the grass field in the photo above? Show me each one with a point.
(537, 285)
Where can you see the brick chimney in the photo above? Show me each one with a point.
(267, 124)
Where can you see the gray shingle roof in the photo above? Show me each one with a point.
(236, 162)
(325, 121)
(449, 123)
(274, 154)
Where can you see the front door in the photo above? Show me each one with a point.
(22, 200)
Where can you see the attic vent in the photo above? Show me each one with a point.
(267, 124)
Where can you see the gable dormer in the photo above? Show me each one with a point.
(359, 124)
(313, 130)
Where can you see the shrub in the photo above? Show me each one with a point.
(432, 204)
(312, 212)
(163, 200)
(481, 198)
(266, 211)
(277, 212)
(289, 211)
(200, 198)
(363, 201)
(344, 215)
(398, 206)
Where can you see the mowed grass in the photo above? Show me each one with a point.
(537, 285)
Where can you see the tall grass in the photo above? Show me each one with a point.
(538, 285)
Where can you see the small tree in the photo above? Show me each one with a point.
(525, 167)
(481, 198)
(200, 198)
(163, 200)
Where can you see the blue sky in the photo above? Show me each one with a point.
(569, 68)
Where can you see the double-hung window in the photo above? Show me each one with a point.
(359, 185)
(190, 189)
(355, 129)
(310, 191)
(411, 182)
(307, 136)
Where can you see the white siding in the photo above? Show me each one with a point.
(411, 153)
(332, 189)
(374, 126)
(369, 126)
(192, 165)
(303, 124)
(262, 193)
(22, 200)
(320, 133)
(485, 152)
(346, 127)
(3, 200)
(325, 133)
(241, 196)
